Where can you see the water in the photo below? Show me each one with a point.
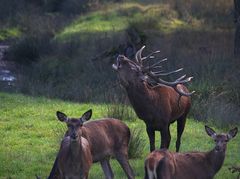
(6, 76)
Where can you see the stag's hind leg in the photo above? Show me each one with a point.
(165, 137)
(151, 136)
(180, 128)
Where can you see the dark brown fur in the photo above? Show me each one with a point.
(107, 138)
(75, 158)
(157, 106)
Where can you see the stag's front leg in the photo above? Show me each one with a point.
(165, 137)
(151, 136)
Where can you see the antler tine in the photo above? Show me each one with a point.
(181, 78)
(140, 59)
(169, 73)
(155, 64)
(138, 55)
(151, 55)
(182, 93)
(140, 52)
(186, 80)
(156, 73)
(174, 83)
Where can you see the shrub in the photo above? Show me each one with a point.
(29, 49)
(216, 109)
(118, 108)
(137, 143)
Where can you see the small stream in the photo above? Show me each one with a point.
(6, 76)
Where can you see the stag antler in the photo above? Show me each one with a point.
(155, 75)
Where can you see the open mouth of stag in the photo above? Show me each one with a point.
(118, 64)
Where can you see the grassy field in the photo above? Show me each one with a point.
(30, 136)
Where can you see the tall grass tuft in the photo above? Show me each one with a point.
(137, 144)
(118, 107)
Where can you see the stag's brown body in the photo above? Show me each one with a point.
(75, 158)
(157, 105)
(107, 138)
(163, 164)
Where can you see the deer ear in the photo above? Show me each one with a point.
(86, 116)
(61, 116)
(232, 133)
(210, 132)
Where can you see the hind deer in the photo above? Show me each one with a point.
(107, 138)
(162, 164)
(75, 157)
(157, 102)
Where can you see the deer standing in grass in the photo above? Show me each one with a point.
(106, 137)
(74, 155)
(162, 164)
(157, 102)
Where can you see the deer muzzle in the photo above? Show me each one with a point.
(74, 136)
(118, 64)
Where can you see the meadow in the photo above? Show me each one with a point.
(63, 52)
(31, 134)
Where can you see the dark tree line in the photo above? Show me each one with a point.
(237, 32)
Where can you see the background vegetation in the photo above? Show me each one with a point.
(64, 50)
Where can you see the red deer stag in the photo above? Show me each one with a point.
(157, 102)
(75, 157)
(162, 164)
(107, 138)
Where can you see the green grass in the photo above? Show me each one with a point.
(116, 18)
(30, 136)
(9, 33)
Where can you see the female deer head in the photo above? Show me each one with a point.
(74, 124)
(221, 140)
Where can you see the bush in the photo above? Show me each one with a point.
(29, 49)
(137, 144)
(118, 108)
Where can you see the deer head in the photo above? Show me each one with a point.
(221, 140)
(74, 124)
(130, 71)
